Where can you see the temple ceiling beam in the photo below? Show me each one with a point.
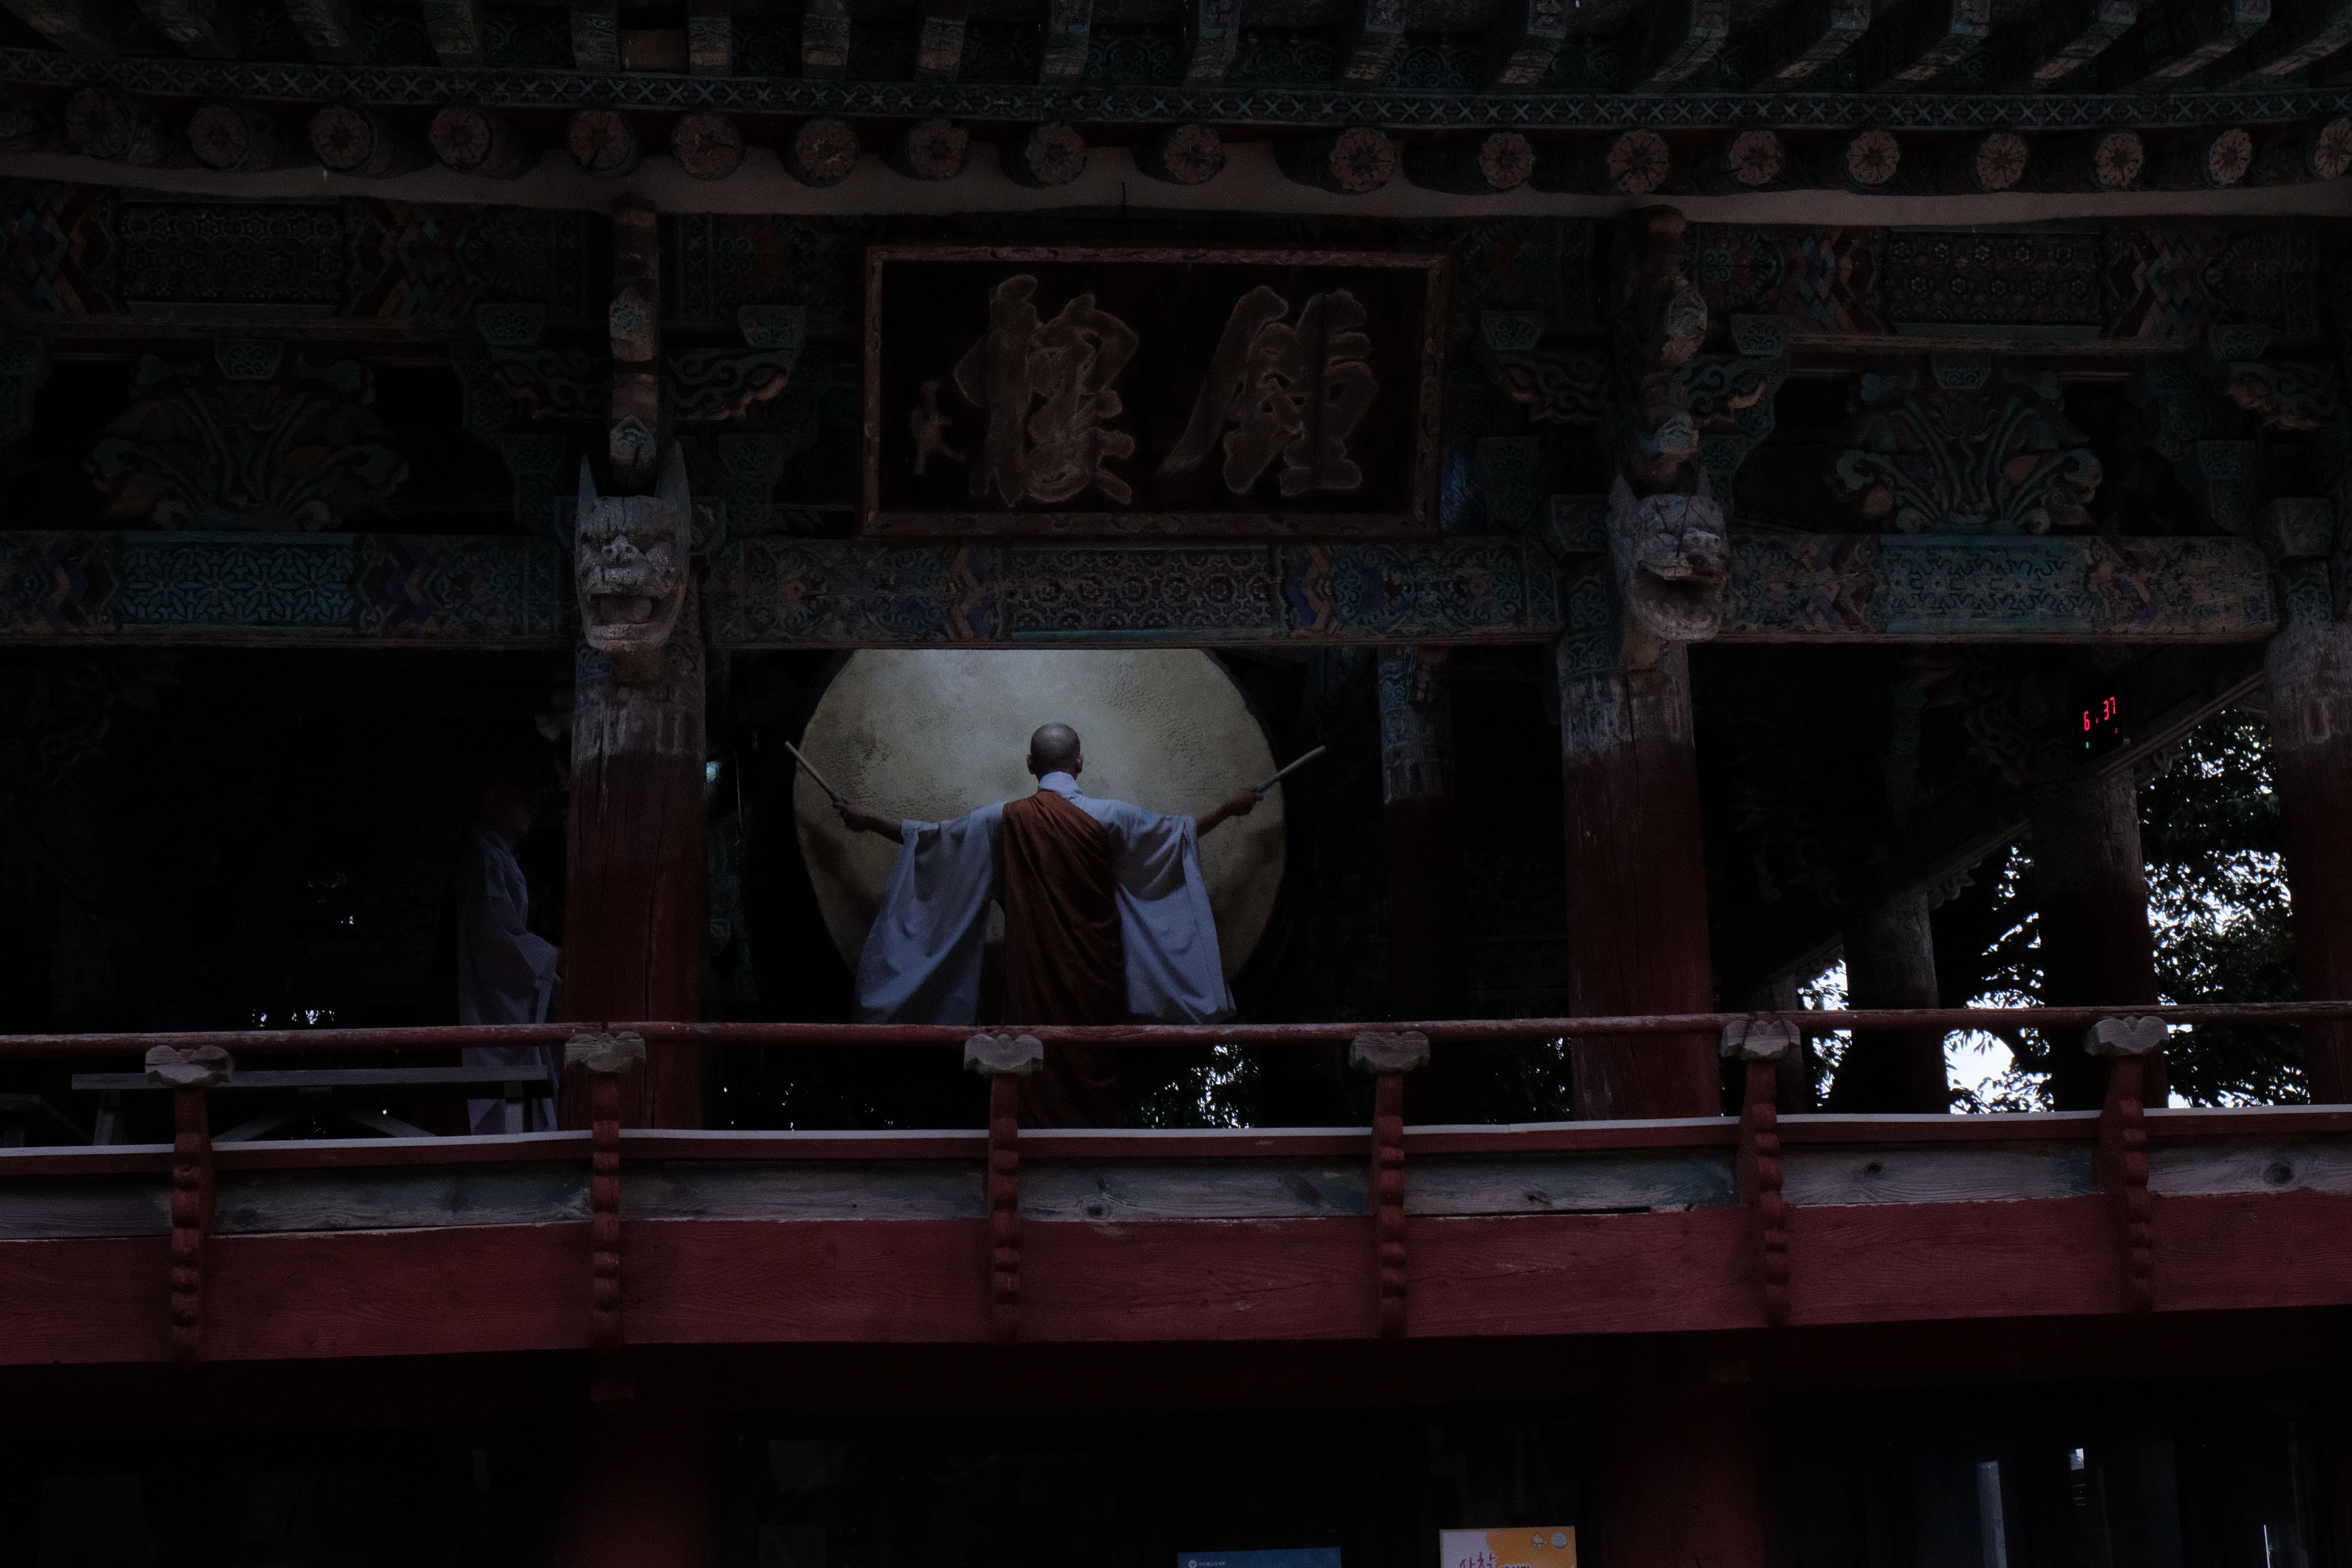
(781, 592)
(1359, 95)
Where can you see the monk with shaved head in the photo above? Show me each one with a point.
(1105, 921)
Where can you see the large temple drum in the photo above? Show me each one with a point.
(935, 732)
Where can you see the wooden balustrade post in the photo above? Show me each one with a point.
(1389, 1057)
(2131, 1047)
(2091, 884)
(643, 1496)
(1763, 1044)
(606, 1058)
(1004, 1061)
(189, 1075)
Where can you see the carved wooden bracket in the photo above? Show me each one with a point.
(1397, 1051)
(204, 1066)
(605, 1056)
(1002, 1056)
(2129, 1044)
(2310, 570)
(1758, 1039)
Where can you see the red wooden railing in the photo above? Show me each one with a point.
(1806, 1021)
(193, 1064)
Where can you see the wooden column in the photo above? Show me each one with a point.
(635, 894)
(1890, 961)
(632, 913)
(1687, 1478)
(2310, 670)
(1426, 972)
(642, 1497)
(1637, 939)
(2092, 886)
(1427, 966)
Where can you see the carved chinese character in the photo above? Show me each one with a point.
(1279, 390)
(1047, 386)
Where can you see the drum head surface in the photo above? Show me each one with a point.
(935, 732)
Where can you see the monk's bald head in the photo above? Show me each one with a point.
(1054, 749)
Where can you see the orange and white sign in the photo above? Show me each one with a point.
(1524, 1548)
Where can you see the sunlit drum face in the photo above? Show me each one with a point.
(933, 732)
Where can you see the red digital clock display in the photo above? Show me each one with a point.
(2103, 724)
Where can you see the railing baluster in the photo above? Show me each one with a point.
(189, 1075)
(1388, 1055)
(1762, 1044)
(1004, 1061)
(605, 1057)
(2130, 1044)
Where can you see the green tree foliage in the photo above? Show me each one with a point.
(2218, 906)
(2218, 901)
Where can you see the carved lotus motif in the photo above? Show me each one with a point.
(1971, 457)
(254, 441)
(631, 561)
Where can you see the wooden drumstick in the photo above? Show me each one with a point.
(835, 795)
(1279, 777)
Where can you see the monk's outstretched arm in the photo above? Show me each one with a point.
(1241, 802)
(857, 819)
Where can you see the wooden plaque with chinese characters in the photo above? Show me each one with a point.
(1075, 391)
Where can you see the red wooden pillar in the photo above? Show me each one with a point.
(2096, 950)
(1685, 1479)
(633, 919)
(1890, 961)
(643, 1495)
(1637, 939)
(2310, 670)
(635, 906)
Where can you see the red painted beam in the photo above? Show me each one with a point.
(509, 1289)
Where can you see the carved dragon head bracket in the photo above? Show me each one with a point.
(1671, 556)
(632, 560)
